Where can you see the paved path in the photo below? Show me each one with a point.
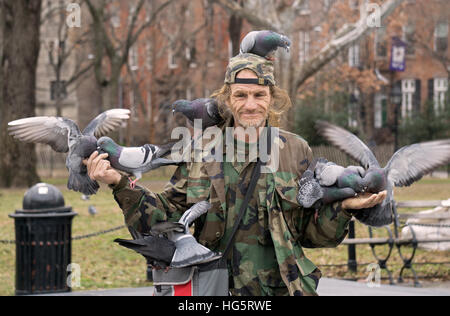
(327, 287)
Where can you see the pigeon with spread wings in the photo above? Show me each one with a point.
(64, 136)
(407, 165)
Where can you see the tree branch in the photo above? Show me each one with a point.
(345, 37)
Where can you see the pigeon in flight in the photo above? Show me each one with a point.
(188, 251)
(264, 43)
(204, 109)
(64, 136)
(135, 160)
(407, 165)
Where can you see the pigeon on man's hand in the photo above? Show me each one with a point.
(206, 110)
(264, 43)
(135, 160)
(322, 184)
(188, 251)
(64, 136)
(407, 165)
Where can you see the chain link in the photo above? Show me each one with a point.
(103, 232)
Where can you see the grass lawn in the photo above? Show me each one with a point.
(104, 264)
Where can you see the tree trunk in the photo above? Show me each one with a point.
(18, 67)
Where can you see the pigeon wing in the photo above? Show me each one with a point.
(106, 122)
(193, 213)
(53, 131)
(348, 143)
(248, 42)
(411, 163)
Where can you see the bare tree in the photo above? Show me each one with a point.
(20, 25)
(281, 16)
(114, 50)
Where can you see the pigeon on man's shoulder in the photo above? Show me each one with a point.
(205, 109)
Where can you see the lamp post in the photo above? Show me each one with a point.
(396, 100)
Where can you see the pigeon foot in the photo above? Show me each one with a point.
(133, 183)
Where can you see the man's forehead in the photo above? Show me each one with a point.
(247, 74)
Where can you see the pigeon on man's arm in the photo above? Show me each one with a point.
(264, 43)
(64, 136)
(135, 160)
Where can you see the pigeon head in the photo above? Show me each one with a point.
(375, 180)
(181, 106)
(285, 42)
(87, 145)
(107, 145)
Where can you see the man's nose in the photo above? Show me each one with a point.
(251, 103)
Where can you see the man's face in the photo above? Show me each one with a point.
(249, 102)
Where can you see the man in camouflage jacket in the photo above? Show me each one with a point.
(267, 256)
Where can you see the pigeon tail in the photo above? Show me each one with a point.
(152, 248)
(377, 216)
(189, 252)
(82, 183)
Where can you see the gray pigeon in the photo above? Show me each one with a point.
(188, 251)
(322, 184)
(64, 135)
(158, 250)
(204, 109)
(407, 165)
(264, 43)
(135, 160)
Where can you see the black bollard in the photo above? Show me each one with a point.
(352, 264)
(43, 242)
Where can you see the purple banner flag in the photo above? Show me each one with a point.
(398, 55)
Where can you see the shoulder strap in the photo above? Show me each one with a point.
(251, 188)
(248, 195)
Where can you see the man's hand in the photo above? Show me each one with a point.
(99, 169)
(364, 200)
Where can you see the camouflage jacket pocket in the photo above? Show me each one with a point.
(288, 204)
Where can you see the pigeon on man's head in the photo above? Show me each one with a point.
(135, 160)
(407, 165)
(64, 135)
(206, 110)
(188, 251)
(264, 43)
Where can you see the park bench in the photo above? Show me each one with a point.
(393, 239)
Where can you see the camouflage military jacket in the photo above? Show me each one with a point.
(291, 227)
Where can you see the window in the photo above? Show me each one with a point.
(149, 55)
(441, 37)
(304, 7)
(303, 47)
(172, 59)
(353, 55)
(354, 4)
(380, 118)
(408, 91)
(380, 42)
(133, 58)
(408, 38)
(440, 92)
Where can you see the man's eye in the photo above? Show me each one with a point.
(240, 95)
